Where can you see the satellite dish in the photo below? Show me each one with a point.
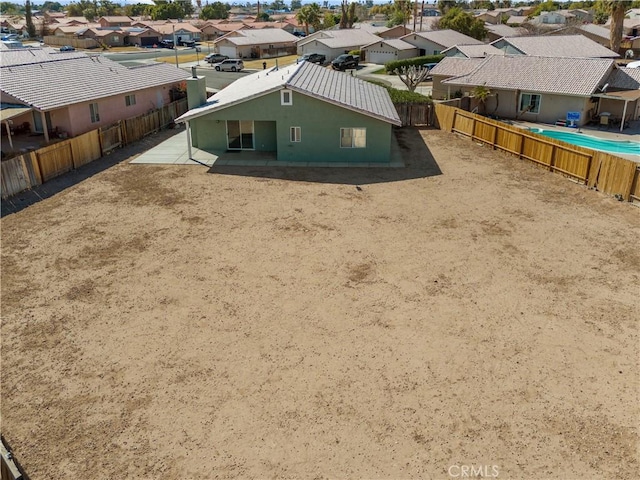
(628, 54)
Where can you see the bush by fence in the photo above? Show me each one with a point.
(605, 172)
(34, 168)
(417, 61)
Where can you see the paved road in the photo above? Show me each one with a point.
(150, 54)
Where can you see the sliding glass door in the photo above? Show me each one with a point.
(240, 134)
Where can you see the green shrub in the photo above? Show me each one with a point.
(403, 96)
(355, 52)
(391, 67)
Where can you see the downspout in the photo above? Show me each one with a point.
(45, 127)
(6, 124)
(189, 140)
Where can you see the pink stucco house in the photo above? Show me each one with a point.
(71, 93)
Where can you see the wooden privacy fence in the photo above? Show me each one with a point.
(412, 114)
(34, 168)
(602, 171)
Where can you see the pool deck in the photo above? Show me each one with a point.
(631, 133)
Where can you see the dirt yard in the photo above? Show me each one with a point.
(470, 310)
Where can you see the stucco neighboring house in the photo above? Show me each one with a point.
(142, 37)
(471, 51)
(434, 42)
(621, 97)
(554, 46)
(213, 30)
(549, 18)
(252, 43)
(538, 89)
(116, 21)
(383, 51)
(182, 31)
(332, 43)
(447, 68)
(72, 93)
(395, 32)
(269, 111)
(597, 33)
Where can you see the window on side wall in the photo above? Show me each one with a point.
(129, 100)
(353, 137)
(285, 97)
(530, 102)
(93, 110)
(295, 134)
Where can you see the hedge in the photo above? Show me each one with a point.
(403, 96)
(391, 67)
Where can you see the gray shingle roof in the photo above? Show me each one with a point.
(456, 66)
(597, 30)
(560, 46)
(306, 78)
(48, 80)
(393, 43)
(568, 76)
(475, 51)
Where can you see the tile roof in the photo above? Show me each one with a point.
(624, 79)
(560, 46)
(568, 76)
(505, 30)
(394, 43)
(446, 38)
(306, 78)
(264, 35)
(475, 51)
(341, 38)
(597, 30)
(47, 80)
(456, 66)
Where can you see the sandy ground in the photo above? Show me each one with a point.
(468, 310)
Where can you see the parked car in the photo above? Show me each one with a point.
(313, 58)
(188, 43)
(345, 61)
(229, 65)
(166, 43)
(215, 58)
(300, 34)
(67, 48)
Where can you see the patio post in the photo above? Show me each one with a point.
(45, 126)
(6, 124)
(188, 140)
(624, 115)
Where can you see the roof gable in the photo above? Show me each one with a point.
(445, 38)
(577, 46)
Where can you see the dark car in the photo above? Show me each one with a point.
(313, 58)
(67, 48)
(165, 43)
(300, 34)
(345, 61)
(215, 58)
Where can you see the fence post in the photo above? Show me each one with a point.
(495, 137)
(552, 158)
(586, 176)
(521, 146)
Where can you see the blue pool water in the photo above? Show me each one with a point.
(612, 146)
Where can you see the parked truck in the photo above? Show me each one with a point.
(345, 61)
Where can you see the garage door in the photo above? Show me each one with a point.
(149, 41)
(228, 51)
(380, 57)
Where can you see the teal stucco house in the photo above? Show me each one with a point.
(300, 113)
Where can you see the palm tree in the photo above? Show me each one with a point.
(617, 9)
(309, 15)
(481, 93)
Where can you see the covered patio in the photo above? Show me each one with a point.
(611, 113)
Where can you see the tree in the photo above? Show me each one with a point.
(76, 9)
(309, 15)
(296, 4)
(215, 10)
(277, 5)
(463, 22)
(164, 11)
(31, 28)
(548, 6)
(617, 9)
(329, 20)
(412, 75)
(136, 10)
(52, 7)
(8, 8)
(481, 93)
(263, 17)
(89, 14)
(348, 17)
(400, 13)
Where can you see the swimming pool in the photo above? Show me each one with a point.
(612, 146)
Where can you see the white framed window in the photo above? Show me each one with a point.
(530, 102)
(353, 137)
(285, 97)
(93, 110)
(129, 100)
(295, 134)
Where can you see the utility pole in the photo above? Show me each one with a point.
(175, 45)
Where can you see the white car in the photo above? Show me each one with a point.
(229, 65)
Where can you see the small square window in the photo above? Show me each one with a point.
(286, 97)
(129, 100)
(353, 137)
(296, 134)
